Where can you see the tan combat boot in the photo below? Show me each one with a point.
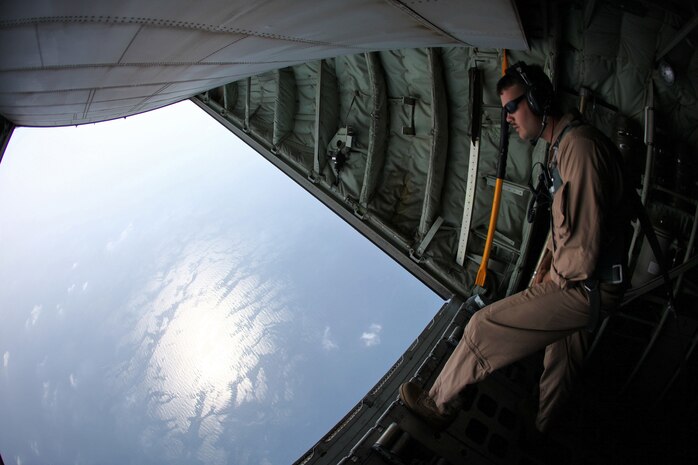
(418, 401)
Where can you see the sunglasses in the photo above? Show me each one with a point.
(512, 105)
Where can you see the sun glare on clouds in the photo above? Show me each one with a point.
(203, 339)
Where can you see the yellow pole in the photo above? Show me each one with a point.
(482, 271)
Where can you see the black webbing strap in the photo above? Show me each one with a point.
(594, 292)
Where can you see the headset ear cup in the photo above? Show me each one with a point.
(539, 99)
(532, 95)
(532, 101)
(539, 91)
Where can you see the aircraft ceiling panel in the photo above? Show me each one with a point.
(341, 23)
(277, 52)
(128, 47)
(45, 119)
(66, 109)
(105, 8)
(159, 45)
(117, 93)
(476, 21)
(183, 87)
(117, 105)
(62, 79)
(32, 99)
(68, 44)
(19, 48)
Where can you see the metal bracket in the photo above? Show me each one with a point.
(315, 177)
(359, 210)
(416, 255)
(514, 188)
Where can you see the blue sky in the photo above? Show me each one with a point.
(168, 295)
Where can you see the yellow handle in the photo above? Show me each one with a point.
(482, 271)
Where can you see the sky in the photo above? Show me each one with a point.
(167, 295)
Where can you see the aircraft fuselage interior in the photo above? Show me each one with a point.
(387, 113)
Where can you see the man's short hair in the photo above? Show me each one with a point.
(539, 90)
(507, 81)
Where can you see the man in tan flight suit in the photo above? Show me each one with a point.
(554, 313)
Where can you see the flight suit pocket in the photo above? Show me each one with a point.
(560, 214)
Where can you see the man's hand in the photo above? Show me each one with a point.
(542, 273)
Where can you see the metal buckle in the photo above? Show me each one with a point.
(617, 274)
(587, 285)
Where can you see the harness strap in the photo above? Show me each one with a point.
(609, 267)
(549, 179)
(594, 292)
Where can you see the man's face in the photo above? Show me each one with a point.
(520, 117)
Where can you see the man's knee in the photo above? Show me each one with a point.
(475, 323)
(474, 333)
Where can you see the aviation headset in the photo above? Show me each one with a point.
(539, 90)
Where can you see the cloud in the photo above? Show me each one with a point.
(245, 392)
(75, 265)
(73, 380)
(372, 336)
(6, 359)
(261, 388)
(35, 314)
(73, 286)
(50, 395)
(112, 245)
(327, 342)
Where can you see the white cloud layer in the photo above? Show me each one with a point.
(327, 342)
(372, 336)
(6, 359)
(112, 245)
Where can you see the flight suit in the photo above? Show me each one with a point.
(554, 313)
